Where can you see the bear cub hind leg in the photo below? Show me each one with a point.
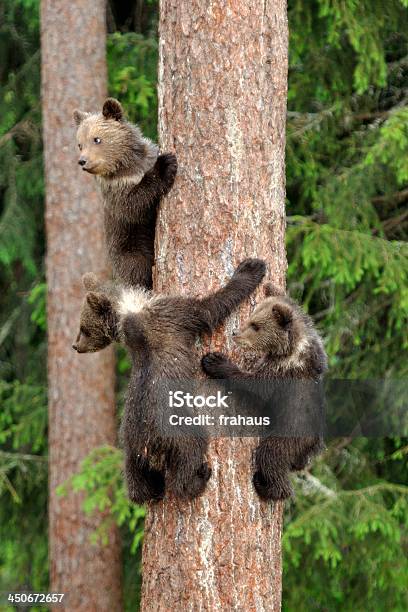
(188, 473)
(276, 488)
(271, 478)
(144, 482)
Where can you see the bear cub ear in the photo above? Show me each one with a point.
(79, 116)
(283, 315)
(99, 303)
(112, 109)
(90, 281)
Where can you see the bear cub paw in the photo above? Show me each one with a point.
(145, 483)
(199, 482)
(255, 268)
(214, 364)
(276, 490)
(167, 167)
(195, 485)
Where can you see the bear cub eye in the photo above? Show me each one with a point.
(255, 327)
(97, 140)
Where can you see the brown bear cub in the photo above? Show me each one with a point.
(288, 380)
(132, 178)
(160, 333)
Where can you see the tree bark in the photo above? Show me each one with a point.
(222, 108)
(81, 387)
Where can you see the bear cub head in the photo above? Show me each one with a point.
(111, 147)
(276, 326)
(98, 325)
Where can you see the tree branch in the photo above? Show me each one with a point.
(23, 457)
(395, 198)
(391, 223)
(312, 484)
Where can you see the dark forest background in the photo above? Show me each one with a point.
(344, 542)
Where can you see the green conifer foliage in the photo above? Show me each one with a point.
(347, 195)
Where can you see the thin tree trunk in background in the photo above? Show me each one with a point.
(81, 387)
(222, 106)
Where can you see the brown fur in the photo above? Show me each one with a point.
(293, 357)
(97, 331)
(132, 178)
(160, 333)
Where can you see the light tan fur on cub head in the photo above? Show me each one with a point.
(112, 148)
(278, 327)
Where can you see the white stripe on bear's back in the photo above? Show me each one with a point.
(133, 300)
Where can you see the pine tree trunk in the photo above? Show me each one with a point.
(81, 387)
(222, 107)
